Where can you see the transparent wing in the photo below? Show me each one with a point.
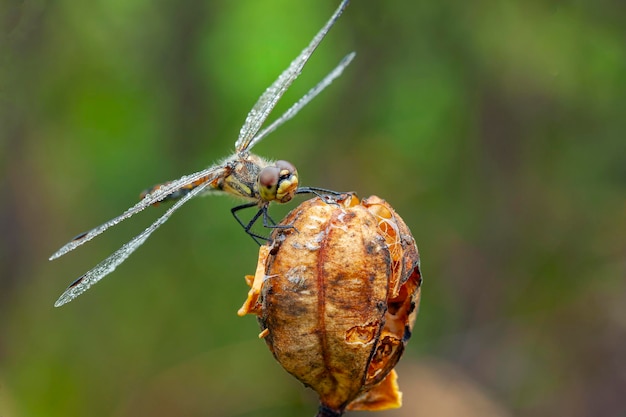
(310, 95)
(274, 92)
(107, 266)
(206, 175)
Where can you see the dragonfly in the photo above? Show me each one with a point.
(250, 177)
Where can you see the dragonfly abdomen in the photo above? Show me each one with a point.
(181, 192)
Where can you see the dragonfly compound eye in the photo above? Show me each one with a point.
(336, 297)
(286, 168)
(278, 182)
(268, 182)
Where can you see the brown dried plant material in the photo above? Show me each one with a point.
(336, 297)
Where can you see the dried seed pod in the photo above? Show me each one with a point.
(336, 296)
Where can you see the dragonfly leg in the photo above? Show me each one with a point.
(268, 222)
(248, 226)
(328, 196)
(266, 218)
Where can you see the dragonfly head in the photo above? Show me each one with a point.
(278, 182)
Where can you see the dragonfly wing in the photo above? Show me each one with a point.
(310, 95)
(206, 176)
(107, 266)
(261, 110)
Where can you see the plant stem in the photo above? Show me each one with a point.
(325, 411)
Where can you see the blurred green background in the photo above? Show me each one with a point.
(496, 129)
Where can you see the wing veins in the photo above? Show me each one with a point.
(310, 95)
(109, 264)
(265, 104)
(147, 201)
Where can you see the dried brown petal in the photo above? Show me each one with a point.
(336, 296)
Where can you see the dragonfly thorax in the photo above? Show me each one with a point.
(254, 178)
